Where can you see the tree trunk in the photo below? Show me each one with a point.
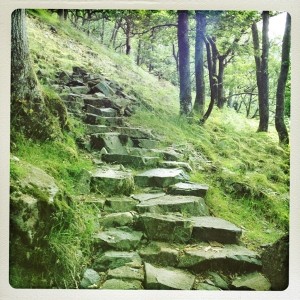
(29, 112)
(60, 13)
(128, 36)
(199, 104)
(221, 100)
(264, 78)
(285, 64)
(256, 48)
(211, 82)
(214, 60)
(138, 56)
(184, 63)
(175, 55)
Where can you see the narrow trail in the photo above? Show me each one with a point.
(155, 230)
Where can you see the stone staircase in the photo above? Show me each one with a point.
(155, 229)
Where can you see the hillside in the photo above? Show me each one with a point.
(247, 172)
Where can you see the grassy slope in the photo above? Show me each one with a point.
(248, 172)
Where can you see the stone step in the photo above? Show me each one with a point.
(167, 228)
(92, 199)
(121, 284)
(186, 205)
(97, 101)
(126, 272)
(167, 278)
(99, 120)
(105, 112)
(228, 258)
(120, 204)
(92, 129)
(160, 177)
(113, 142)
(117, 219)
(168, 154)
(115, 259)
(160, 253)
(144, 143)
(188, 188)
(215, 229)
(147, 196)
(137, 133)
(119, 238)
(176, 164)
(130, 160)
(79, 90)
(112, 182)
(251, 282)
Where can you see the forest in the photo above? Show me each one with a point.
(150, 149)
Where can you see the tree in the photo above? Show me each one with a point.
(184, 63)
(199, 104)
(29, 111)
(282, 80)
(264, 76)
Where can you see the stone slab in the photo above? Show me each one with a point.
(227, 258)
(110, 141)
(253, 282)
(147, 196)
(120, 204)
(112, 182)
(159, 253)
(126, 272)
(188, 188)
(168, 278)
(99, 120)
(176, 164)
(119, 238)
(160, 177)
(117, 219)
(166, 228)
(91, 279)
(215, 229)
(118, 284)
(186, 205)
(115, 259)
(105, 112)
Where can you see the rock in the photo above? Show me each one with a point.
(187, 205)
(168, 155)
(117, 219)
(166, 228)
(115, 259)
(92, 199)
(144, 143)
(105, 112)
(79, 89)
(63, 76)
(227, 258)
(99, 101)
(91, 279)
(205, 286)
(110, 141)
(275, 261)
(120, 239)
(118, 284)
(102, 87)
(161, 254)
(118, 204)
(253, 282)
(126, 272)
(99, 120)
(215, 229)
(137, 133)
(112, 182)
(75, 83)
(188, 188)
(79, 71)
(218, 281)
(160, 177)
(168, 278)
(176, 164)
(147, 196)
(91, 129)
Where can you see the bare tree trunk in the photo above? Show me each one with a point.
(285, 64)
(264, 78)
(184, 63)
(221, 100)
(138, 57)
(199, 104)
(175, 55)
(211, 82)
